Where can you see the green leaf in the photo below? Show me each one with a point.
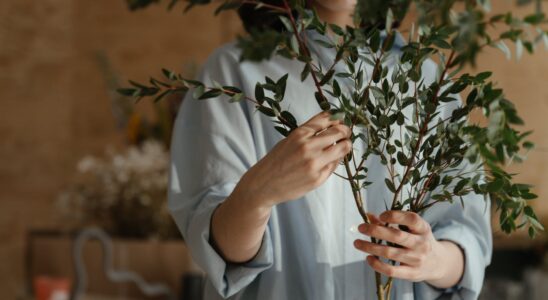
(231, 90)
(495, 185)
(375, 41)
(343, 75)
(413, 129)
(260, 44)
(336, 29)
(305, 72)
(388, 43)
(289, 118)
(161, 95)
(384, 120)
(389, 20)
(442, 44)
(129, 92)
(169, 74)
(267, 111)
(483, 75)
(400, 118)
(282, 130)
(327, 77)
(287, 23)
(281, 87)
(236, 97)
(502, 47)
(534, 19)
(528, 145)
(460, 185)
(322, 101)
(210, 94)
(377, 92)
(228, 5)
(402, 159)
(259, 93)
(336, 89)
(390, 185)
(136, 84)
(531, 232)
(434, 182)
(519, 49)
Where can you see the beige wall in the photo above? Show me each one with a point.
(55, 106)
(54, 102)
(525, 82)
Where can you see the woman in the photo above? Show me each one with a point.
(264, 218)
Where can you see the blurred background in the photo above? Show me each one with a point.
(75, 154)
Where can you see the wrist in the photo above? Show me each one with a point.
(255, 187)
(251, 194)
(448, 265)
(439, 271)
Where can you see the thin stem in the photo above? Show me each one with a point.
(257, 104)
(339, 175)
(422, 131)
(355, 188)
(305, 50)
(380, 288)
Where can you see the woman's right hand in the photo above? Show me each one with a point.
(298, 163)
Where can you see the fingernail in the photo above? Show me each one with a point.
(383, 217)
(363, 227)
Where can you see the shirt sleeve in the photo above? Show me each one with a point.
(466, 224)
(212, 147)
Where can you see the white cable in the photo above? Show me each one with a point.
(118, 276)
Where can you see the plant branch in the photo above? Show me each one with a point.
(422, 131)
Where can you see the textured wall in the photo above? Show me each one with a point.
(55, 104)
(525, 82)
(54, 101)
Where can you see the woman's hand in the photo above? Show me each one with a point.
(298, 163)
(420, 256)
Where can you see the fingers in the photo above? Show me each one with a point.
(332, 134)
(389, 234)
(374, 219)
(329, 169)
(336, 152)
(413, 221)
(320, 122)
(400, 255)
(403, 272)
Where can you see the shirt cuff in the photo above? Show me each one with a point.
(227, 278)
(470, 285)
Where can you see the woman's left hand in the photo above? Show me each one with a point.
(421, 257)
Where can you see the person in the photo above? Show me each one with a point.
(266, 219)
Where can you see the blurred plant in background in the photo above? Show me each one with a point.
(124, 192)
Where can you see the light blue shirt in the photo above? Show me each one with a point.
(307, 250)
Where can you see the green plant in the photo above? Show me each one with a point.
(424, 153)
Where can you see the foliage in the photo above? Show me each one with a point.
(431, 156)
(124, 192)
(137, 126)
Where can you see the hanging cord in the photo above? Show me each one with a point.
(117, 276)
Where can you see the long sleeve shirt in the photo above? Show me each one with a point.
(307, 249)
